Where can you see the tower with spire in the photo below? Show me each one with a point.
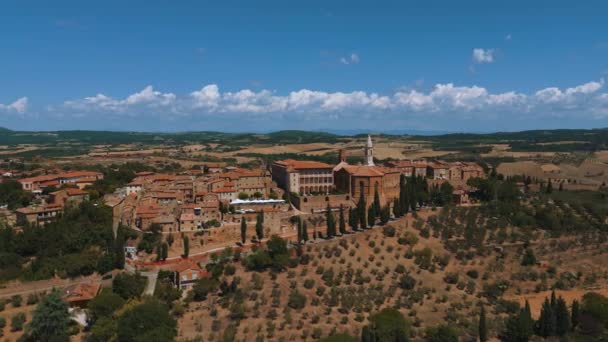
(369, 152)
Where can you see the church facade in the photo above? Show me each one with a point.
(367, 178)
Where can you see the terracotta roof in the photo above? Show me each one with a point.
(164, 219)
(303, 164)
(39, 179)
(438, 165)
(187, 217)
(81, 292)
(77, 174)
(407, 163)
(69, 192)
(224, 190)
(187, 265)
(364, 171)
(165, 195)
(49, 183)
(34, 210)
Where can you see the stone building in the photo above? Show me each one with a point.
(367, 178)
(304, 177)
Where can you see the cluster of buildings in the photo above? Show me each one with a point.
(347, 182)
(80, 179)
(52, 202)
(195, 201)
(219, 196)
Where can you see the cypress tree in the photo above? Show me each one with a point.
(546, 322)
(362, 208)
(371, 216)
(305, 231)
(159, 252)
(366, 335)
(483, 329)
(549, 187)
(562, 317)
(377, 206)
(396, 208)
(300, 235)
(165, 251)
(353, 220)
(186, 247)
(520, 326)
(402, 195)
(527, 318)
(385, 215)
(575, 316)
(330, 221)
(259, 228)
(342, 221)
(243, 230)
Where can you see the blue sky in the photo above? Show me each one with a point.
(267, 65)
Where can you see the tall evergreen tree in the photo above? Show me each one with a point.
(482, 328)
(259, 227)
(186, 246)
(403, 204)
(159, 252)
(300, 234)
(562, 317)
(575, 316)
(546, 322)
(353, 220)
(362, 209)
(527, 315)
(519, 327)
(305, 231)
(243, 230)
(385, 215)
(165, 251)
(342, 223)
(377, 206)
(396, 208)
(330, 221)
(371, 216)
(549, 187)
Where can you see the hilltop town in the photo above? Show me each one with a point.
(265, 239)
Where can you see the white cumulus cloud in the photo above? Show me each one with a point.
(19, 106)
(352, 59)
(483, 55)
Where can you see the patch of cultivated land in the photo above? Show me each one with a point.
(347, 278)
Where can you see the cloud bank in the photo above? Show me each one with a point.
(585, 99)
(443, 106)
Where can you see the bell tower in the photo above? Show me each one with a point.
(369, 152)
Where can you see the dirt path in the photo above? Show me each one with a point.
(19, 288)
